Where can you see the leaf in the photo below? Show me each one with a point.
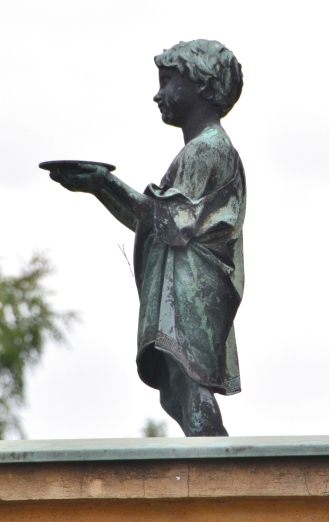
(27, 321)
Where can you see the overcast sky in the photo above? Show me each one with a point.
(77, 82)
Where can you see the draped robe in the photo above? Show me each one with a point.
(189, 265)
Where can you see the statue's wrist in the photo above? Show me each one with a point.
(101, 183)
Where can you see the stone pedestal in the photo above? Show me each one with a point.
(254, 479)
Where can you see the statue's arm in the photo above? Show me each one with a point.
(219, 213)
(120, 212)
(126, 204)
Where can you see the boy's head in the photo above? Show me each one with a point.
(211, 66)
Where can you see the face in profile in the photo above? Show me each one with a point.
(177, 96)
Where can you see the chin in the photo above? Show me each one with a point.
(169, 120)
(166, 118)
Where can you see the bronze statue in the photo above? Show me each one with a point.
(188, 249)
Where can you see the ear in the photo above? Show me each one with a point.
(206, 89)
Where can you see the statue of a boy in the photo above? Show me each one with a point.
(188, 248)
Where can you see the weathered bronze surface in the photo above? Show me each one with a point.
(188, 248)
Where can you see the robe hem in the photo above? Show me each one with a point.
(165, 344)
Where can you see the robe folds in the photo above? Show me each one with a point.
(189, 265)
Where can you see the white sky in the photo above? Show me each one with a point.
(77, 83)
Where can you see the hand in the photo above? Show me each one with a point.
(82, 177)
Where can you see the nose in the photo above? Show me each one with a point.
(157, 97)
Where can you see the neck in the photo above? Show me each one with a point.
(197, 122)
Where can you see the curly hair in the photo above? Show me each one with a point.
(209, 64)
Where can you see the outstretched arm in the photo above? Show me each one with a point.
(121, 213)
(140, 206)
(126, 204)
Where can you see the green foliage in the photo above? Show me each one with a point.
(27, 320)
(153, 428)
